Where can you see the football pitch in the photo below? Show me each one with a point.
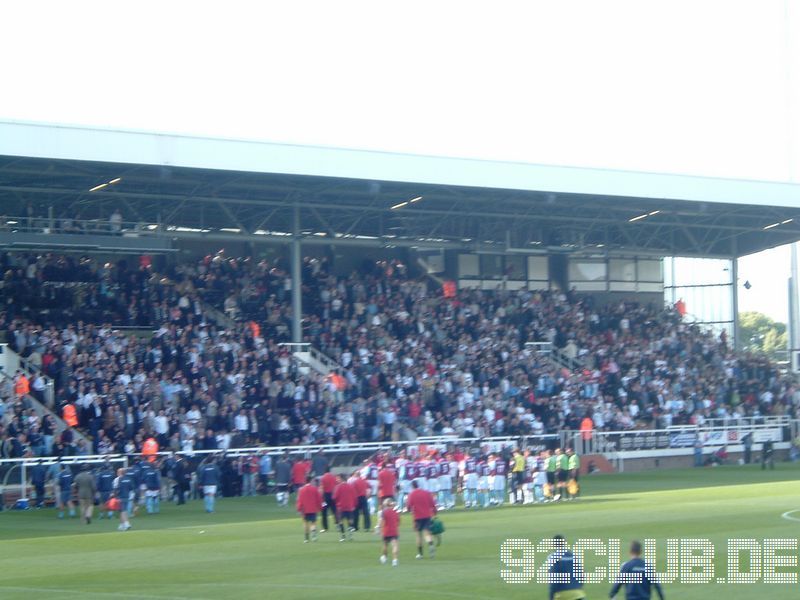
(250, 548)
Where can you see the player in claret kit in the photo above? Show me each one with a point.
(470, 482)
(498, 479)
(370, 473)
(483, 483)
(390, 529)
(309, 503)
(410, 473)
(422, 472)
(445, 483)
(432, 476)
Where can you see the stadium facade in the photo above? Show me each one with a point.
(480, 224)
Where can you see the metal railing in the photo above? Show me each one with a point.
(611, 443)
(326, 362)
(370, 447)
(69, 225)
(556, 356)
(10, 468)
(14, 361)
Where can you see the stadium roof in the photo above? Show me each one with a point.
(233, 189)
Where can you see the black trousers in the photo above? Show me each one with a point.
(363, 508)
(330, 506)
(180, 491)
(39, 494)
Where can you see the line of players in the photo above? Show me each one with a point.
(484, 480)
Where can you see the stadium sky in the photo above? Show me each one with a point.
(704, 87)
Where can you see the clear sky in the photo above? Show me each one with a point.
(705, 87)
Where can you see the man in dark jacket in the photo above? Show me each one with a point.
(637, 582)
(179, 476)
(38, 479)
(566, 572)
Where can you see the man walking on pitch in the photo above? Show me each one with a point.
(634, 576)
(283, 476)
(387, 482)
(63, 481)
(361, 487)
(152, 480)
(208, 477)
(124, 485)
(309, 503)
(328, 484)
(344, 496)
(87, 488)
(422, 505)
(390, 526)
(105, 487)
(566, 572)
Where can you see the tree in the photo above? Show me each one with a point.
(762, 335)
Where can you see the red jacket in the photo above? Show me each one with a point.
(328, 483)
(299, 471)
(309, 499)
(345, 497)
(390, 519)
(387, 481)
(421, 504)
(361, 486)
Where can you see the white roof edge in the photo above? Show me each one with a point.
(69, 142)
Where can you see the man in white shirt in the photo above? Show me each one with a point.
(241, 423)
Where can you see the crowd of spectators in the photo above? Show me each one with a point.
(410, 359)
(61, 289)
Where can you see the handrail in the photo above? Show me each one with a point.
(31, 369)
(784, 422)
(275, 450)
(316, 354)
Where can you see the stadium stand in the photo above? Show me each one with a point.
(411, 362)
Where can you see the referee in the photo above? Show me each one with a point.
(518, 475)
(551, 464)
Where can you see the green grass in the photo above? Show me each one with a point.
(252, 549)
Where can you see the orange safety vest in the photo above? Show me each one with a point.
(449, 289)
(22, 387)
(339, 382)
(586, 428)
(70, 415)
(150, 449)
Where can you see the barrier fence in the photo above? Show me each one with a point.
(14, 472)
(719, 433)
